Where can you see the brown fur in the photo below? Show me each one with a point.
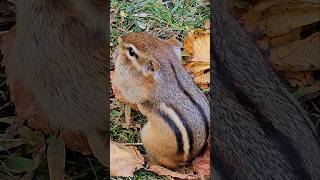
(158, 138)
(259, 131)
(59, 57)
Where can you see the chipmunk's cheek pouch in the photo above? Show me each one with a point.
(151, 68)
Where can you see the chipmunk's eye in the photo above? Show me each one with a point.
(131, 52)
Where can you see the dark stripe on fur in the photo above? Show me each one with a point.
(283, 143)
(203, 115)
(175, 129)
(185, 124)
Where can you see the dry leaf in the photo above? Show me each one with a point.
(207, 24)
(189, 66)
(203, 79)
(204, 86)
(197, 44)
(286, 38)
(202, 164)
(124, 160)
(267, 8)
(201, 49)
(56, 155)
(299, 79)
(284, 18)
(195, 67)
(127, 114)
(167, 172)
(302, 55)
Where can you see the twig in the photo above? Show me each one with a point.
(132, 144)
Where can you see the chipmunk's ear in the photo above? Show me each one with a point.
(174, 42)
(151, 68)
(176, 46)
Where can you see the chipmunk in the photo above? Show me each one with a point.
(260, 130)
(59, 57)
(148, 72)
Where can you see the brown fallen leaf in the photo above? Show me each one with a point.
(124, 160)
(197, 44)
(267, 8)
(293, 35)
(203, 79)
(207, 24)
(278, 17)
(202, 164)
(195, 67)
(201, 49)
(302, 55)
(167, 172)
(127, 115)
(204, 87)
(299, 79)
(56, 155)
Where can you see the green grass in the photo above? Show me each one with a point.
(164, 21)
(153, 16)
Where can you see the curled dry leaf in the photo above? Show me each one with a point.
(302, 55)
(299, 79)
(278, 17)
(195, 67)
(124, 160)
(293, 35)
(167, 172)
(127, 115)
(56, 155)
(202, 164)
(286, 30)
(203, 79)
(197, 44)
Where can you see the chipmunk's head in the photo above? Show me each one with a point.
(141, 63)
(147, 53)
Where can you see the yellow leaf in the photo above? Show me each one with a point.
(195, 67)
(201, 49)
(123, 14)
(204, 78)
(196, 40)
